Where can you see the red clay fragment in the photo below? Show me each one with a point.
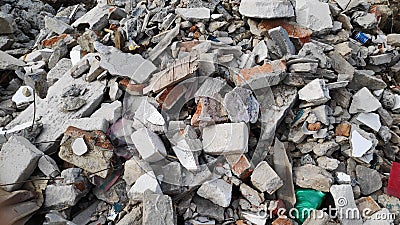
(294, 30)
(393, 187)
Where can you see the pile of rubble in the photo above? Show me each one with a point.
(199, 112)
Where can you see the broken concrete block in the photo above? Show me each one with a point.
(266, 10)
(366, 78)
(57, 26)
(187, 148)
(134, 168)
(207, 208)
(364, 101)
(314, 177)
(59, 70)
(88, 124)
(365, 20)
(265, 179)
(147, 181)
(116, 63)
(18, 160)
(232, 139)
(98, 157)
(241, 105)
(194, 14)
(317, 20)
(393, 40)
(251, 195)
(109, 111)
(209, 111)
(328, 163)
(344, 201)
(240, 165)
(158, 209)
(149, 116)
(315, 92)
(372, 120)
(149, 145)
(8, 62)
(368, 179)
(218, 191)
(48, 166)
(380, 59)
(281, 38)
(96, 19)
(6, 23)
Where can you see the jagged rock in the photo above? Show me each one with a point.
(359, 102)
(217, 191)
(314, 177)
(368, 179)
(263, 183)
(266, 10)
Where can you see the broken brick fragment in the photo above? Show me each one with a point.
(294, 30)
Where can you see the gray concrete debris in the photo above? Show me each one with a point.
(344, 201)
(134, 168)
(57, 26)
(110, 112)
(48, 166)
(194, 14)
(158, 209)
(218, 191)
(116, 63)
(281, 39)
(270, 183)
(234, 139)
(8, 62)
(315, 92)
(254, 197)
(149, 145)
(6, 23)
(145, 182)
(266, 10)
(368, 179)
(380, 59)
(366, 78)
(59, 70)
(95, 19)
(314, 177)
(241, 105)
(317, 20)
(393, 40)
(359, 102)
(18, 160)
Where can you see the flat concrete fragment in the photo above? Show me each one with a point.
(48, 166)
(95, 19)
(225, 139)
(18, 160)
(368, 179)
(123, 64)
(315, 92)
(364, 102)
(266, 9)
(49, 109)
(344, 201)
(314, 177)
(158, 209)
(241, 105)
(59, 70)
(265, 179)
(6, 23)
(109, 111)
(194, 14)
(217, 191)
(316, 20)
(281, 38)
(8, 62)
(134, 168)
(57, 26)
(145, 182)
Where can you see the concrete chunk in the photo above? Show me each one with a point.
(317, 20)
(265, 179)
(364, 101)
(225, 139)
(218, 191)
(6, 23)
(149, 145)
(57, 26)
(145, 182)
(194, 14)
(109, 111)
(158, 209)
(18, 160)
(8, 62)
(314, 177)
(266, 9)
(281, 38)
(241, 105)
(344, 201)
(95, 19)
(315, 92)
(368, 179)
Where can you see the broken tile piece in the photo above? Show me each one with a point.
(18, 160)
(265, 179)
(217, 191)
(359, 144)
(225, 139)
(372, 120)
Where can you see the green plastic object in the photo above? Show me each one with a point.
(306, 201)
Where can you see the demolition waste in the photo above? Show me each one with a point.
(196, 112)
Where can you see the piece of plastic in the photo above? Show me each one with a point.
(307, 200)
(394, 180)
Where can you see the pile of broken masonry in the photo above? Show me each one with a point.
(199, 112)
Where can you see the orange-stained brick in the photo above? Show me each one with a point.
(242, 168)
(170, 96)
(96, 138)
(294, 30)
(274, 66)
(314, 126)
(51, 41)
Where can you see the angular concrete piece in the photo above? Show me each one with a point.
(316, 20)
(372, 120)
(265, 179)
(315, 92)
(123, 64)
(147, 181)
(8, 62)
(18, 160)
(217, 191)
(241, 105)
(266, 9)
(6, 23)
(314, 177)
(149, 145)
(95, 19)
(158, 209)
(281, 38)
(368, 179)
(194, 14)
(225, 139)
(364, 101)
(48, 166)
(135, 168)
(348, 212)
(57, 26)
(109, 111)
